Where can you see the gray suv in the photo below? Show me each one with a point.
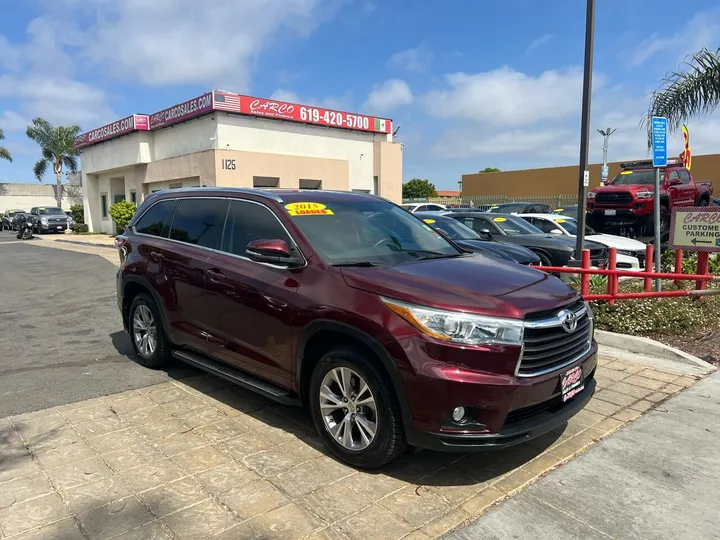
(8, 217)
(51, 219)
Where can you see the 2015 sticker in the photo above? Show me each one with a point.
(499, 219)
(308, 209)
(429, 220)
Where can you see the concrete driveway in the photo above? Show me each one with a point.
(61, 337)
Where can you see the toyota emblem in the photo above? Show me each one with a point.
(569, 322)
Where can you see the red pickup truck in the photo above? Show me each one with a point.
(628, 200)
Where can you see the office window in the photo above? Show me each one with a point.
(310, 184)
(265, 182)
(361, 190)
(133, 197)
(176, 186)
(248, 221)
(104, 205)
(199, 222)
(376, 186)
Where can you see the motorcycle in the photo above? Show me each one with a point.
(24, 225)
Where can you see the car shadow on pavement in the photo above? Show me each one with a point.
(421, 467)
(122, 344)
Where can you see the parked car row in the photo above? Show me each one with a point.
(394, 330)
(48, 219)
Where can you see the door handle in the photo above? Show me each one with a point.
(214, 274)
(157, 257)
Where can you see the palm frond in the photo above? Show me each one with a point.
(40, 168)
(5, 154)
(70, 162)
(687, 94)
(41, 131)
(2, 135)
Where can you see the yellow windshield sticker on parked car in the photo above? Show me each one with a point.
(429, 220)
(559, 210)
(499, 219)
(559, 221)
(308, 209)
(626, 172)
(41, 208)
(494, 207)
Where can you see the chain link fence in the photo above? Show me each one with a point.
(555, 201)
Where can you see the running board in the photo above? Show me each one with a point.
(238, 377)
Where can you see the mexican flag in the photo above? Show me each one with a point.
(382, 125)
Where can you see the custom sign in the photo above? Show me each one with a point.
(292, 112)
(135, 122)
(695, 228)
(183, 111)
(604, 173)
(308, 209)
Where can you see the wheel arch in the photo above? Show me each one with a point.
(321, 335)
(131, 287)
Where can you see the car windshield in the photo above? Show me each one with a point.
(571, 226)
(13, 212)
(629, 178)
(367, 232)
(452, 228)
(512, 226)
(50, 211)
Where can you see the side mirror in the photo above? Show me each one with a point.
(675, 181)
(556, 231)
(273, 252)
(485, 233)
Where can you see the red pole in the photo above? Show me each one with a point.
(585, 278)
(702, 269)
(678, 264)
(649, 258)
(612, 279)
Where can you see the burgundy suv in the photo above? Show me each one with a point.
(344, 303)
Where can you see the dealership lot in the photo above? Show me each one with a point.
(113, 450)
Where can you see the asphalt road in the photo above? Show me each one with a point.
(61, 337)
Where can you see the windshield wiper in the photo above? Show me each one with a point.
(358, 264)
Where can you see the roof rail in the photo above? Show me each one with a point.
(244, 191)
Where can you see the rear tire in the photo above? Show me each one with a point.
(372, 434)
(147, 333)
(544, 259)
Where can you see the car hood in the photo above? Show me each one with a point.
(472, 283)
(619, 242)
(624, 189)
(507, 251)
(563, 242)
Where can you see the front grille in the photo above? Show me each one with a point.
(548, 346)
(519, 415)
(599, 253)
(613, 198)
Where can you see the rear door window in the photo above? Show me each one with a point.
(249, 221)
(156, 221)
(684, 176)
(199, 222)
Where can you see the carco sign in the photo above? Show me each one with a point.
(695, 228)
(134, 122)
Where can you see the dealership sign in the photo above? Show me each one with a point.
(135, 122)
(292, 112)
(695, 228)
(236, 104)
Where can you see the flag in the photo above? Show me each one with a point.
(225, 101)
(381, 125)
(686, 155)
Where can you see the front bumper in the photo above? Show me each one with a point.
(506, 410)
(53, 227)
(623, 217)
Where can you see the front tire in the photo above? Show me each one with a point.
(355, 410)
(147, 334)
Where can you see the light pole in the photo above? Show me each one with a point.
(606, 140)
(584, 174)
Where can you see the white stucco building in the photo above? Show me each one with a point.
(224, 139)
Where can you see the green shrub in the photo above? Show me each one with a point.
(81, 228)
(121, 213)
(78, 213)
(689, 266)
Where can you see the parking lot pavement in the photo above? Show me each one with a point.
(198, 458)
(61, 337)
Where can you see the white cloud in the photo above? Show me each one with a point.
(415, 60)
(168, 42)
(703, 30)
(387, 96)
(505, 97)
(542, 40)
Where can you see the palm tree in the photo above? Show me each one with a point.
(688, 94)
(57, 144)
(4, 152)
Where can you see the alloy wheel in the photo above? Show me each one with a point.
(144, 331)
(348, 408)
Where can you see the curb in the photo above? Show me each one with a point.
(648, 351)
(81, 243)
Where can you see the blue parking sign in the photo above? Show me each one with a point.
(659, 141)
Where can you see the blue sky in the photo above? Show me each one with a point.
(470, 83)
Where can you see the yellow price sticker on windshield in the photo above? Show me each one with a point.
(494, 207)
(499, 219)
(559, 221)
(429, 220)
(626, 172)
(308, 209)
(559, 210)
(41, 208)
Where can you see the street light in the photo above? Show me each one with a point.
(583, 173)
(606, 139)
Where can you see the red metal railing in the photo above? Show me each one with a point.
(613, 274)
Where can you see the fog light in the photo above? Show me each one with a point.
(459, 414)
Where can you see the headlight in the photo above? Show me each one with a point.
(644, 195)
(591, 195)
(44, 221)
(457, 327)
